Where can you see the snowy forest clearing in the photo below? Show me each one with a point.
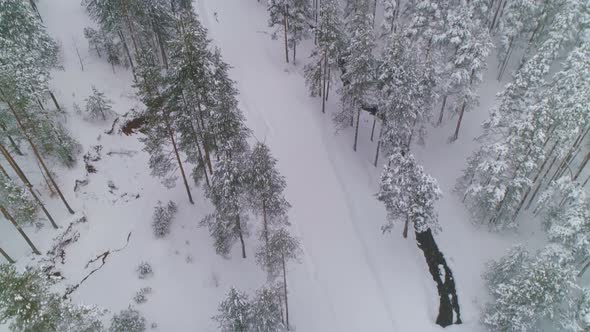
(350, 276)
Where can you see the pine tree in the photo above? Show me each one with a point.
(128, 320)
(405, 96)
(98, 106)
(17, 201)
(409, 194)
(325, 55)
(265, 187)
(358, 75)
(227, 193)
(27, 304)
(532, 291)
(299, 15)
(234, 312)
(282, 247)
(266, 311)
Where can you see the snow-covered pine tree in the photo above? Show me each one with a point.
(128, 320)
(227, 193)
(358, 73)
(325, 55)
(282, 247)
(266, 311)
(98, 107)
(406, 95)
(163, 217)
(265, 189)
(391, 10)
(159, 125)
(234, 312)
(409, 194)
(535, 291)
(17, 201)
(27, 304)
(28, 53)
(299, 17)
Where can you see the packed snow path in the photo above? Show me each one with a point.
(357, 272)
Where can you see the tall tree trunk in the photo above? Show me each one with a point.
(378, 145)
(324, 78)
(286, 28)
(442, 110)
(373, 128)
(456, 134)
(5, 255)
(524, 198)
(582, 166)
(3, 172)
(11, 141)
(532, 199)
(239, 227)
(356, 131)
(188, 190)
(327, 94)
(504, 63)
(405, 233)
(285, 291)
(26, 182)
(54, 100)
(36, 152)
(128, 54)
(437, 264)
(19, 229)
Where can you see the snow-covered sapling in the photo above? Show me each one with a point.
(128, 320)
(144, 270)
(98, 106)
(141, 295)
(163, 217)
(234, 312)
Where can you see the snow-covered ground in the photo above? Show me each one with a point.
(350, 278)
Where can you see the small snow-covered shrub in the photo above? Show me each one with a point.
(141, 295)
(144, 270)
(128, 320)
(98, 107)
(163, 216)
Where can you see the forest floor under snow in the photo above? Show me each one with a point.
(351, 277)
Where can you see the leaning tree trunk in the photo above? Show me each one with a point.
(5, 255)
(26, 182)
(19, 229)
(37, 154)
(445, 283)
(240, 233)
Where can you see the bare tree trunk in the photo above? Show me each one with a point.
(128, 54)
(378, 145)
(5, 255)
(456, 134)
(3, 172)
(54, 101)
(582, 166)
(442, 111)
(405, 233)
(531, 200)
(506, 59)
(37, 154)
(285, 291)
(239, 226)
(19, 229)
(188, 190)
(26, 182)
(373, 128)
(327, 94)
(324, 78)
(11, 141)
(356, 131)
(286, 28)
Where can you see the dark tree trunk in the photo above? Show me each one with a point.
(5, 255)
(37, 154)
(188, 190)
(55, 101)
(286, 27)
(356, 131)
(445, 284)
(285, 291)
(26, 182)
(11, 140)
(128, 54)
(239, 226)
(373, 128)
(582, 166)
(442, 111)
(19, 229)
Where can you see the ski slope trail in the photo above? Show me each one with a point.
(352, 278)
